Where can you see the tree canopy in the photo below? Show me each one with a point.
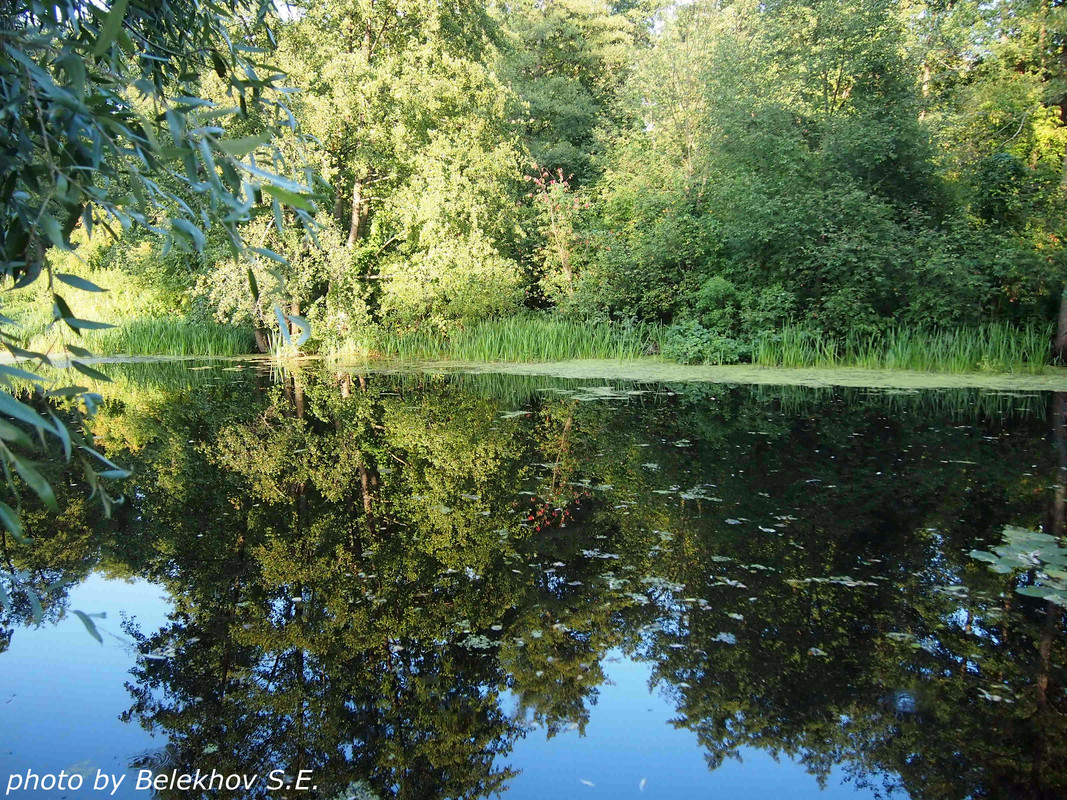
(724, 167)
(159, 117)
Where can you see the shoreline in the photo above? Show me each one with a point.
(653, 370)
(657, 371)
(649, 370)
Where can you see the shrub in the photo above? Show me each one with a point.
(691, 343)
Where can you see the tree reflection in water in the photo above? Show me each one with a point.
(389, 580)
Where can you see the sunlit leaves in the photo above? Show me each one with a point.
(108, 123)
(77, 282)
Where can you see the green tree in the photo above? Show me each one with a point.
(105, 126)
(412, 132)
(566, 60)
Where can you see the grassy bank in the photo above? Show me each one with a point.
(994, 347)
(153, 329)
(149, 318)
(990, 348)
(520, 339)
(164, 336)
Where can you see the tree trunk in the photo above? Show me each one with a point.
(355, 230)
(339, 208)
(298, 400)
(1061, 328)
(1063, 122)
(368, 500)
(262, 342)
(294, 311)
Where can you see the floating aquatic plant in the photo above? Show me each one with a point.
(1031, 551)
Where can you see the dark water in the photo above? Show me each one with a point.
(419, 586)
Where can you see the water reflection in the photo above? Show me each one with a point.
(391, 580)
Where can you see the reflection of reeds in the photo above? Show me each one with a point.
(140, 379)
(515, 391)
(993, 347)
(146, 382)
(961, 405)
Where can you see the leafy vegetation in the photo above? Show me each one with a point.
(800, 183)
(809, 181)
(124, 119)
(534, 338)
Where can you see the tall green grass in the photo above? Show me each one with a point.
(165, 336)
(992, 347)
(175, 337)
(518, 339)
(150, 318)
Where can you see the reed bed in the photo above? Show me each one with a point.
(992, 347)
(178, 337)
(166, 336)
(519, 339)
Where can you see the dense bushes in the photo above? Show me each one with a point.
(748, 193)
(691, 343)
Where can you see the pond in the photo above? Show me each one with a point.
(336, 583)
